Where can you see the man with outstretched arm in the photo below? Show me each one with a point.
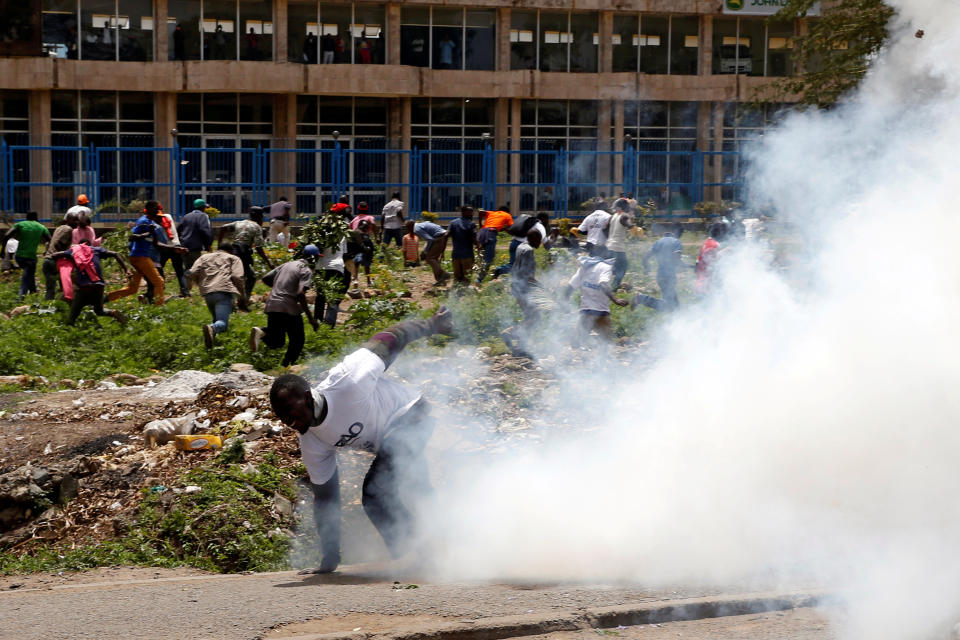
(357, 406)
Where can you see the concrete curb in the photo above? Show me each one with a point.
(593, 618)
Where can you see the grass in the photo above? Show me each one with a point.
(229, 525)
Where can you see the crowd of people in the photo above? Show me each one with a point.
(225, 278)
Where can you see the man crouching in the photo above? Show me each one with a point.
(357, 407)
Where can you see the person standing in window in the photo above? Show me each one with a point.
(178, 48)
(310, 48)
(447, 47)
(253, 45)
(365, 49)
(328, 45)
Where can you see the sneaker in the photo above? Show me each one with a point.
(256, 335)
(208, 336)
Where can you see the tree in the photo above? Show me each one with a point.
(835, 52)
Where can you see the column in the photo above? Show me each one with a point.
(41, 166)
(618, 143)
(717, 176)
(604, 164)
(705, 67)
(501, 140)
(393, 34)
(502, 62)
(160, 41)
(280, 24)
(516, 143)
(283, 167)
(166, 121)
(406, 143)
(703, 144)
(395, 161)
(605, 36)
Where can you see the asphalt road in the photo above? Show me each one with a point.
(235, 607)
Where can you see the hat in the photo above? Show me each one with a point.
(82, 199)
(311, 250)
(199, 203)
(362, 206)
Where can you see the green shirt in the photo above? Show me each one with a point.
(30, 233)
(246, 232)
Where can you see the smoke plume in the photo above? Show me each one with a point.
(802, 424)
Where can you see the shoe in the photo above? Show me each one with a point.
(208, 336)
(120, 318)
(256, 335)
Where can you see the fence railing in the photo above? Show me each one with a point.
(117, 180)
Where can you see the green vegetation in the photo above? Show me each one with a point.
(233, 523)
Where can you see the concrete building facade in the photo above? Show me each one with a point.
(236, 75)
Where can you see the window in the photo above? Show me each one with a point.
(445, 38)
(656, 44)
(553, 41)
(220, 30)
(753, 47)
(669, 180)
(98, 29)
(336, 33)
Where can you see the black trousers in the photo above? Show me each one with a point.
(245, 253)
(280, 327)
(177, 261)
(83, 296)
(325, 309)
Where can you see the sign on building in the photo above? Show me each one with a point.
(760, 7)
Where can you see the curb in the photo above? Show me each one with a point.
(594, 618)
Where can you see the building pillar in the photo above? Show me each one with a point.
(516, 143)
(280, 39)
(393, 34)
(605, 37)
(406, 142)
(705, 67)
(397, 163)
(160, 41)
(284, 165)
(502, 62)
(801, 28)
(717, 175)
(41, 166)
(501, 140)
(165, 120)
(704, 126)
(618, 142)
(604, 160)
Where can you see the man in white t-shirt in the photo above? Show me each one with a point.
(391, 220)
(81, 207)
(357, 406)
(595, 225)
(593, 279)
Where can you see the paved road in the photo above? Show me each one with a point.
(234, 607)
(798, 624)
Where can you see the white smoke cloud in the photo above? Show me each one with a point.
(802, 425)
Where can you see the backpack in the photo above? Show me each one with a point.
(521, 225)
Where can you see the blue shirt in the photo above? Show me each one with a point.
(462, 233)
(667, 252)
(143, 247)
(427, 230)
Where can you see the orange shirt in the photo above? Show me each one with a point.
(498, 220)
(411, 248)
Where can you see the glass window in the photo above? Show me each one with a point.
(752, 34)
(626, 35)
(728, 54)
(367, 34)
(523, 39)
(481, 43)
(256, 19)
(98, 30)
(60, 37)
(303, 31)
(183, 30)
(415, 36)
(219, 30)
(336, 42)
(654, 35)
(584, 42)
(447, 31)
(780, 49)
(684, 45)
(135, 27)
(554, 41)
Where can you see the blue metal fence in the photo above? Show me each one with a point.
(232, 176)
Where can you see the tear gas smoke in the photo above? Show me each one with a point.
(787, 431)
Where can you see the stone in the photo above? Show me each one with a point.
(241, 366)
(69, 487)
(282, 505)
(67, 383)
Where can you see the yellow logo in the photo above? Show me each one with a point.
(735, 5)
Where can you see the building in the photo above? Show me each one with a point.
(482, 101)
